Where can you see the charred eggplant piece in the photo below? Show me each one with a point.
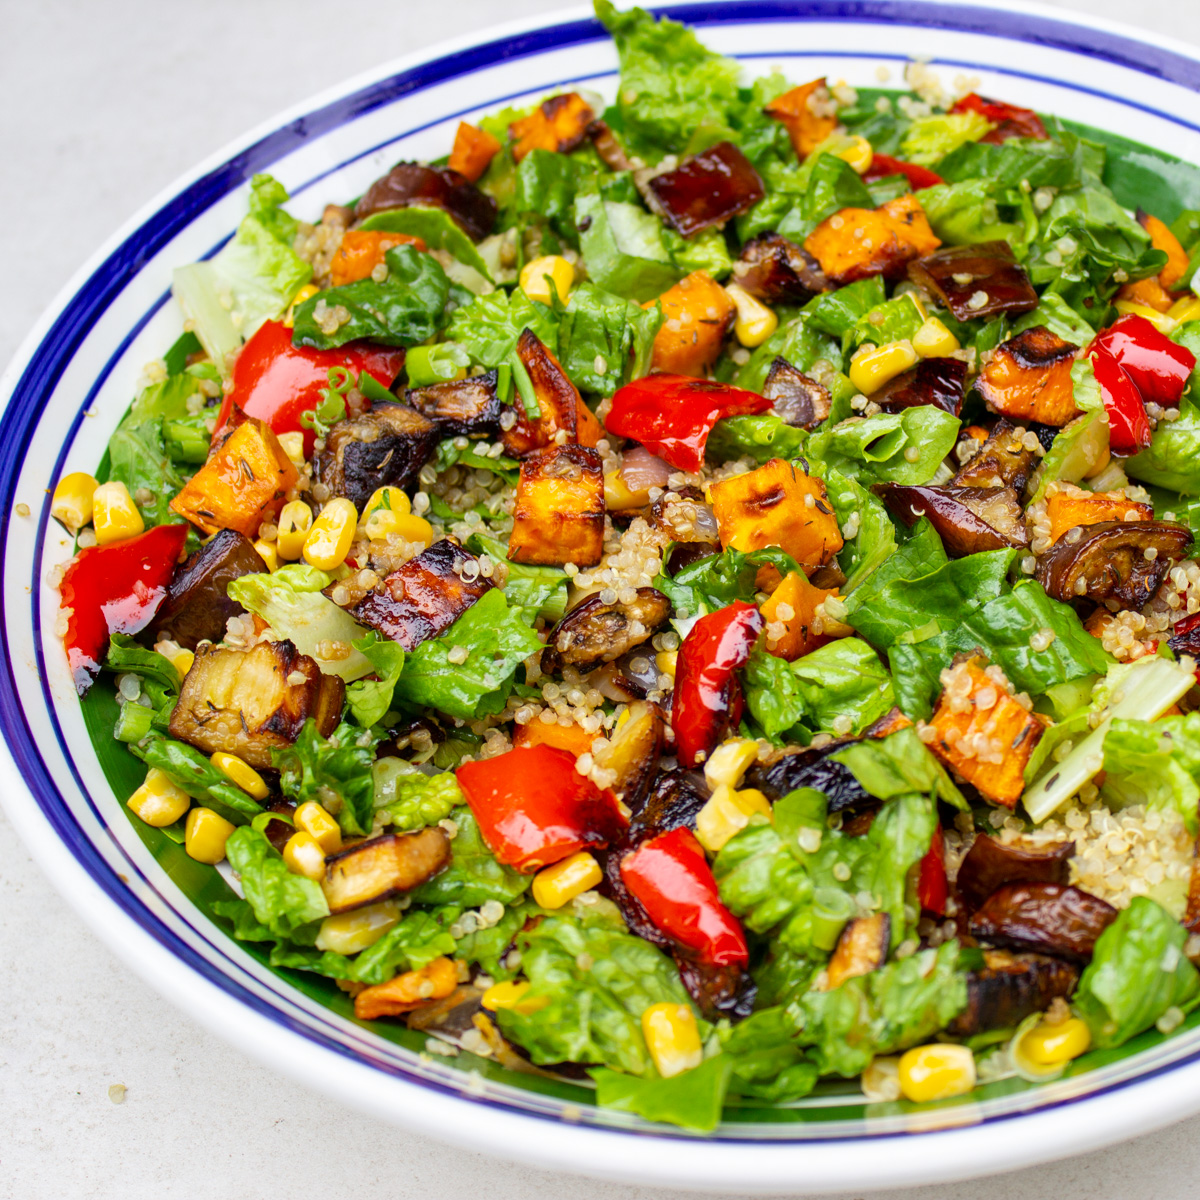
(246, 703)
(594, 632)
(1028, 378)
(1109, 561)
(959, 275)
(778, 271)
(634, 752)
(462, 406)
(861, 948)
(197, 604)
(968, 519)
(1002, 461)
(674, 801)
(386, 447)
(811, 768)
(708, 189)
(410, 183)
(632, 677)
(718, 991)
(990, 864)
(937, 381)
(1047, 918)
(279, 833)
(684, 554)
(1009, 988)
(798, 400)
(380, 867)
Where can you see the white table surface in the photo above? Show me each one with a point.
(106, 103)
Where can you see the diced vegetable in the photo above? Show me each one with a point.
(362, 250)
(969, 520)
(976, 282)
(412, 989)
(430, 187)
(794, 604)
(382, 867)
(708, 189)
(697, 313)
(856, 243)
(1010, 987)
(1068, 507)
(595, 632)
(560, 406)
(778, 271)
(797, 109)
(861, 948)
(1010, 121)
(472, 152)
(990, 864)
(1048, 918)
(1029, 378)
(460, 406)
(557, 124)
(558, 516)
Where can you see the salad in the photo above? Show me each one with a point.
(695, 595)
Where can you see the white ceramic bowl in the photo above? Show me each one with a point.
(73, 380)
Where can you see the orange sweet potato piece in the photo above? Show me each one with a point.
(1149, 292)
(561, 405)
(983, 733)
(798, 600)
(1099, 624)
(473, 151)
(244, 481)
(795, 110)
(777, 505)
(1068, 507)
(558, 516)
(1161, 238)
(560, 123)
(407, 991)
(856, 243)
(362, 250)
(1029, 378)
(697, 314)
(573, 738)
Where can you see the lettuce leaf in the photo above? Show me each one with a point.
(602, 330)
(1172, 460)
(187, 768)
(898, 764)
(407, 798)
(336, 771)
(762, 437)
(622, 246)
(473, 876)
(768, 1063)
(436, 228)
(877, 449)
(929, 139)
(693, 1099)
(370, 699)
(875, 541)
(540, 590)
(281, 900)
(712, 583)
(1155, 763)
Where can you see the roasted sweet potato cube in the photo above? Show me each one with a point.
(572, 738)
(407, 992)
(370, 871)
(422, 598)
(861, 948)
(778, 271)
(891, 722)
(1068, 506)
(982, 732)
(1029, 378)
(362, 250)
(808, 113)
(1161, 238)
(777, 505)
(559, 123)
(697, 314)
(561, 405)
(856, 243)
(981, 281)
(461, 406)
(472, 152)
(708, 189)
(793, 604)
(1002, 461)
(244, 481)
(559, 512)
(248, 702)
(1149, 292)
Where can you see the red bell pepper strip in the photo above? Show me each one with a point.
(672, 415)
(883, 165)
(277, 382)
(115, 589)
(707, 702)
(672, 880)
(1010, 121)
(1159, 367)
(1128, 425)
(534, 808)
(933, 888)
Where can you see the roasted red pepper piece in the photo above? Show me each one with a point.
(1159, 367)
(933, 889)
(1010, 121)
(534, 808)
(276, 381)
(115, 589)
(672, 415)
(1185, 638)
(883, 165)
(708, 697)
(671, 878)
(1128, 425)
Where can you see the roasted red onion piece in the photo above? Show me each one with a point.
(641, 470)
(778, 271)
(798, 400)
(976, 281)
(707, 189)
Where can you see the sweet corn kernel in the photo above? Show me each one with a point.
(305, 293)
(182, 661)
(934, 340)
(72, 503)
(295, 524)
(1049, 1045)
(405, 525)
(871, 368)
(269, 553)
(667, 661)
(936, 1072)
(726, 813)
(534, 277)
(350, 932)
(618, 497)
(730, 761)
(511, 995)
(672, 1037)
(313, 818)
(553, 886)
(115, 517)
(293, 446)
(205, 835)
(389, 499)
(329, 539)
(159, 801)
(1187, 309)
(754, 322)
(858, 154)
(304, 856)
(1163, 322)
(242, 773)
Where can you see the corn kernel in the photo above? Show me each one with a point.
(553, 886)
(304, 856)
(871, 368)
(1163, 322)
(242, 773)
(329, 539)
(511, 995)
(1184, 310)
(115, 517)
(350, 932)
(667, 662)
(534, 277)
(672, 1037)
(936, 1072)
(934, 340)
(313, 818)
(754, 322)
(293, 446)
(730, 761)
(389, 499)
(405, 525)
(726, 813)
(205, 835)
(1049, 1045)
(159, 801)
(295, 524)
(618, 497)
(182, 661)
(72, 503)
(858, 154)
(269, 553)
(305, 293)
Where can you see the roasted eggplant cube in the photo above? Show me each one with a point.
(559, 512)
(862, 947)
(979, 281)
(811, 767)
(798, 400)
(990, 864)
(386, 447)
(370, 871)
(422, 598)
(708, 189)
(561, 406)
(594, 632)
(460, 407)
(969, 520)
(249, 702)
(856, 243)
(410, 183)
(559, 124)
(719, 991)
(778, 271)
(1047, 918)
(1009, 988)
(1002, 461)
(1029, 378)
(937, 381)
(197, 604)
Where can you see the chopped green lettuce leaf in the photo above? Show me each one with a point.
(473, 876)
(693, 1099)
(335, 771)
(930, 139)
(410, 799)
(370, 699)
(282, 901)
(877, 449)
